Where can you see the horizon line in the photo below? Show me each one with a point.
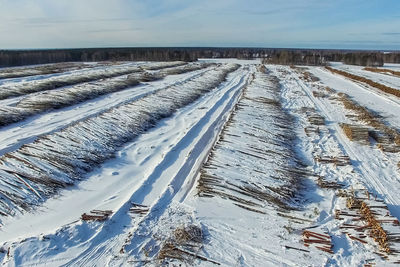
(197, 47)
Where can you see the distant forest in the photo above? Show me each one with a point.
(276, 56)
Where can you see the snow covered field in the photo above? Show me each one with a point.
(220, 162)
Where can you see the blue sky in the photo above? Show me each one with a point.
(355, 24)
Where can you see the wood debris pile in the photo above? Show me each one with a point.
(184, 245)
(320, 241)
(337, 161)
(316, 119)
(319, 94)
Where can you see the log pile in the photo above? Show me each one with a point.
(368, 221)
(385, 142)
(380, 137)
(96, 215)
(268, 148)
(383, 134)
(356, 133)
(328, 184)
(337, 161)
(308, 77)
(309, 130)
(329, 90)
(388, 148)
(316, 119)
(319, 94)
(138, 209)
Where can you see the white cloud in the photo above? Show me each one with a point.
(95, 23)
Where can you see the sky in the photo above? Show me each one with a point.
(336, 24)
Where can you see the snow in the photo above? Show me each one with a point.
(391, 66)
(255, 132)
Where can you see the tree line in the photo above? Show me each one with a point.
(269, 55)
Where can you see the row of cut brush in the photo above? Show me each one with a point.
(68, 96)
(19, 89)
(18, 72)
(55, 99)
